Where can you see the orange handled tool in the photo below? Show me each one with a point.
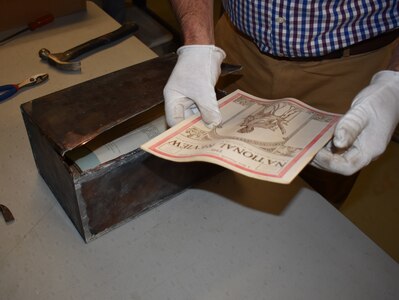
(44, 20)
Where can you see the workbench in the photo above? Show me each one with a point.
(229, 237)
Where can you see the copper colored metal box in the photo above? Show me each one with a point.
(100, 199)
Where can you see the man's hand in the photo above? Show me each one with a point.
(191, 86)
(364, 132)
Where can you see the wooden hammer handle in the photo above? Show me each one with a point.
(123, 31)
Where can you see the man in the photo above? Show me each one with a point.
(339, 56)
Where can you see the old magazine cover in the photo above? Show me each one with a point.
(270, 140)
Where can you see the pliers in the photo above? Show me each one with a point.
(8, 90)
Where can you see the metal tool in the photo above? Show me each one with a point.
(8, 217)
(40, 22)
(227, 69)
(64, 61)
(8, 90)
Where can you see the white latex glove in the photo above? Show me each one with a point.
(364, 132)
(191, 86)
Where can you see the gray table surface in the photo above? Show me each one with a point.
(230, 237)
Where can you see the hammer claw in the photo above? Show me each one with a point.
(67, 66)
(64, 61)
(58, 60)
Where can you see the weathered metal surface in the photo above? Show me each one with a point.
(109, 195)
(75, 115)
(140, 183)
(55, 171)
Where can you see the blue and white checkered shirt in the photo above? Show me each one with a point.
(304, 28)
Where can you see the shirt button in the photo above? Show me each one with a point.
(280, 20)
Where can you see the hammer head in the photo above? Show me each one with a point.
(59, 61)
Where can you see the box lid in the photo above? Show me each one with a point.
(73, 116)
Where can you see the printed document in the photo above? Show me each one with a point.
(270, 140)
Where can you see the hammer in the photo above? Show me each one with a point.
(64, 61)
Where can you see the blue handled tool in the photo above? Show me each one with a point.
(6, 91)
